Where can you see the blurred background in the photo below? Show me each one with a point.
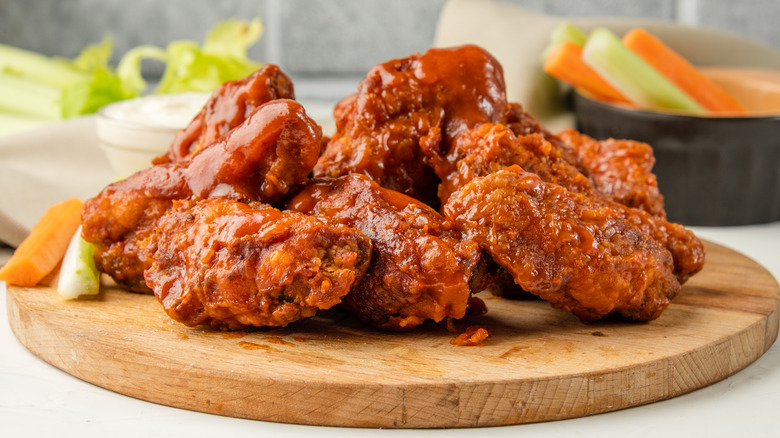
(336, 41)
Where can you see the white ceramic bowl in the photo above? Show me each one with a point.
(135, 131)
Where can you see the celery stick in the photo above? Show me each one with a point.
(78, 274)
(568, 31)
(129, 68)
(637, 80)
(22, 96)
(12, 123)
(232, 38)
(565, 31)
(35, 66)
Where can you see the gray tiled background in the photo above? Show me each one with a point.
(325, 38)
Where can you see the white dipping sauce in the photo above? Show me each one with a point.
(133, 132)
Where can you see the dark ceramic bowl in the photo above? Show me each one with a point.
(711, 170)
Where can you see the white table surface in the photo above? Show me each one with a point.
(37, 398)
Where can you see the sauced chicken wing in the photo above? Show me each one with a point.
(125, 212)
(573, 251)
(229, 105)
(406, 102)
(420, 266)
(260, 160)
(490, 147)
(621, 169)
(226, 264)
(576, 221)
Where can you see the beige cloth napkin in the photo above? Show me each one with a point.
(41, 167)
(517, 36)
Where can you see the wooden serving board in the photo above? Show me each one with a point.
(538, 363)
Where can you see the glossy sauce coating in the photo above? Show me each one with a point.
(620, 175)
(577, 222)
(420, 266)
(571, 250)
(403, 103)
(124, 213)
(226, 264)
(260, 160)
(621, 169)
(274, 149)
(229, 105)
(492, 146)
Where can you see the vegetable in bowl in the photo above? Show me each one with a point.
(638, 70)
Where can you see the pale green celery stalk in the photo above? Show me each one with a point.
(223, 57)
(101, 86)
(35, 66)
(13, 124)
(568, 31)
(192, 67)
(94, 56)
(636, 79)
(22, 96)
(129, 68)
(56, 88)
(87, 97)
(78, 274)
(232, 38)
(565, 31)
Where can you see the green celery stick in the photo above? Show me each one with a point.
(78, 274)
(565, 31)
(22, 96)
(568, 31)
(55, 72)
(13, 123)
(636, 79)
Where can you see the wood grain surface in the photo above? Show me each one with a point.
(538, 363)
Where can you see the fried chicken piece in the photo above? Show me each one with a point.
(521, 123)
(579, 254)
(618, 169)
(686, 249)
(491, 147)
(259, 160)
(420, 266)
(226, 264)
(229, 105)
(126, 212)
(273, 150)
(403, 103)
(621, 169)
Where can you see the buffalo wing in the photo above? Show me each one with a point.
(421, 268)
(227, 264)
(259, 160)
(404, 103)
(433, 187)
(571, 250)
(227, 108)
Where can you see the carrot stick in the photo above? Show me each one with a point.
(45, 246)
(680, 72)
(565, 63)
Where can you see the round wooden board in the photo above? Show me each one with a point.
(538, 364)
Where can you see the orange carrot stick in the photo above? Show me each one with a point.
(565, 63)
(43, 249)
(680, 72)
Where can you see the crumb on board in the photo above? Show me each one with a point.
(474, 335)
